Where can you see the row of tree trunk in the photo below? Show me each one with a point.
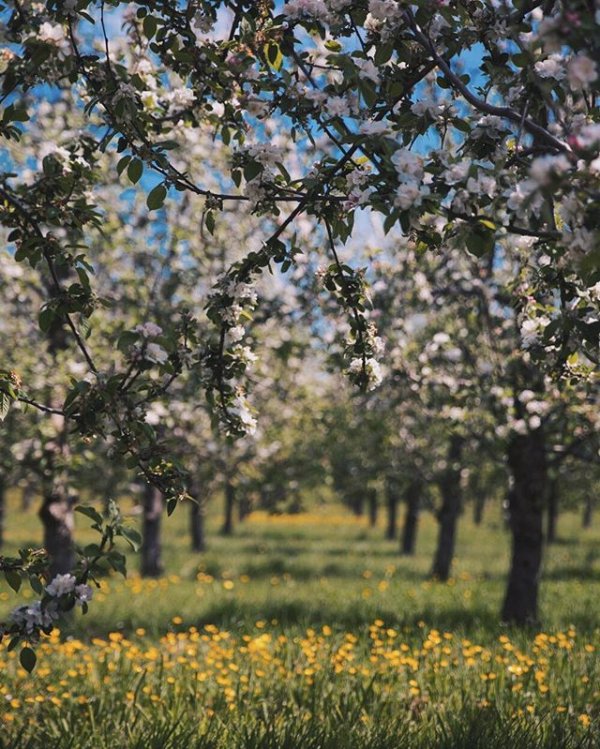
(531, 491)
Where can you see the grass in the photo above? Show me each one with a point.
(311, 632)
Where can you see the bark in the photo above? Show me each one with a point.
(478, 507)
(27, 497)
(56, 511)
(449, 511)
(197, 516)
(227, 528)
(412, 497)
(552, 512)
(2, 509)
(243, 508)
(527, 463)
(392, 510)
(588, 509)
(151, 552)
(358, 504)
(56, 514)
(373, 508)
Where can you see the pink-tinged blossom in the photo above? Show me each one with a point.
(372, 128)
(408, 165)
(336, 106)
(367, 70)
(552, 67)
(410, 195)
(148, 330)
(582, 71)
(532, 329)
(544, 167)
(51, 33)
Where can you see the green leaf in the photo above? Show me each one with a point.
(4, 405)
(13, 113)
(132, 537)
(480, 241)
(156, 197)
(27, 658)
(122, 164)
(135, 170)
(150, 26)
(273, 55)
(90, 512)
(210, 221)
(171, 505)
(46, 318)
(13, 579)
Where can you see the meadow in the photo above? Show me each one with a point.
(309, 631)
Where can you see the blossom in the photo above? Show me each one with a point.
(34, 616)
(374, 127)
(337, 105)
(148, 330)
(51, 33)
(544, 166)
(457, 172)
(61, 585)
(483, 184)
(236, 333)
(83, 593)
(298, 8)
(532, 329)
(384, 10)
(240, 409)
(581, 71)
(371, 368)
(426, 107)
(155, 353)
(180, 99)
(552, 67)
(408, 165)
(367, 70)
(524, 196)
(409, 195)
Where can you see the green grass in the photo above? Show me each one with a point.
(312, 632)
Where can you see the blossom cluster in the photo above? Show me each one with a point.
(41, 615)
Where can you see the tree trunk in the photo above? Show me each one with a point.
(2, 509)
(527, 463)
(56, 514)
(243, 507)
(392, 510)
(588, 509)
(552, 512)
(372, 500)
(449, 512)
(358, 504)
(412, 498)
(227, 528)
(197, 514)
(151, 551)
(478, 507)
(27, 495)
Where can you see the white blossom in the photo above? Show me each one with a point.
(61, 585)
(582, 70)
(552, 67)
(155, 353)
(148, 330)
